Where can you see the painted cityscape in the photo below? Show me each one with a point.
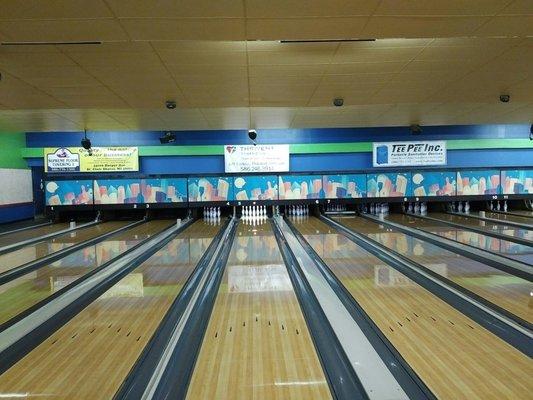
(167, 190)
(389, 184)
(478, 182)
(256, 187)
(349, 186)
(300, 187)
(117, 191)
(218, 188)
(63, 193)
(433, 183)
(517, 181)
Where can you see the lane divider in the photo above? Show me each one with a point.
(500, 324)
(25, 228)
(391, 359)
(23, 269)
(494, 220)
(19, 245)
(487, 257)
(26, 331)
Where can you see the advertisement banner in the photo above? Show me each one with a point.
(260, 158)
(396, 154)
(98, 159)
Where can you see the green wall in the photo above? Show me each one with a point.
(11, 145)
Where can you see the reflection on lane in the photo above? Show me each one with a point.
(501, 288)
(453, 355)
(91, 355)
(508, 217)
(506, 248)
(8, 239)
(257, 344)
(41, 249)
(27, 290)
(488, 226)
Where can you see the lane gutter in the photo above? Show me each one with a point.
(139, 376)
(23, 269)
(506, 264)
(406, 377)
(26, 331)
(474, 229)
(498, 323)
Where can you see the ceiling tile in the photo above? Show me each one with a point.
(516, 25)
(177, 8)
(312, 8)
(439, 7)
(57, 9)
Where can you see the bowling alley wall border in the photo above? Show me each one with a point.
(390, 186)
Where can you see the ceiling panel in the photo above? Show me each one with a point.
(177, 8)
(439, 7)
(57, 9)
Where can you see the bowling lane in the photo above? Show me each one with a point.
(12, 238)
(486, 226)
(43, 248)
(506, 217)
(501, 288)
(453, 355)
(506, 248)
(257, 345)
(90, 356)
(27, 290)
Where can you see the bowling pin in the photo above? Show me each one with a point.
(505, 206)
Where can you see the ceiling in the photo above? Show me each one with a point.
(433, 62)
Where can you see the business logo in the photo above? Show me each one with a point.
(382, 154)
(231, 149)
(63, 160)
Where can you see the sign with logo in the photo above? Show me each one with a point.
(397, 154)
(260, 158)
(98, 159)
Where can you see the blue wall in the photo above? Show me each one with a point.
(16, 212)
(300, 162)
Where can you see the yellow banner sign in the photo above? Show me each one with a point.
(98, 159)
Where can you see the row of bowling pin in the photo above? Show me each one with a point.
(498, 207)
(460, 207)
(377, 208)
(417, 208)
(254, 220)
(298, 210)
(254, 211)
(211, 212)
(335, 207)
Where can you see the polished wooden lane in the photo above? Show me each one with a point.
(8, 239)
(27, 290)
(501, 288)
(453, 355)
(43, 248)
(257, 345)
(506, 248)
(488, 226)
(91, 355)
(507, 217)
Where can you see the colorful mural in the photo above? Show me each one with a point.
(117, 191)
(478, 182)
(63, 193)
(255, 187)
(217, 188)
(433, 183)
(300, 187)
(347, 186)
(390, 184)
(166, 190)
(516, 181)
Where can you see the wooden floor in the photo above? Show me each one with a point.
(507, 217)
(41, 249)
(487, 226)
(17, 237)
(27, 290)
(506, 248)
(454, 356)
(91, 355)
(501, 288)
(257, 345)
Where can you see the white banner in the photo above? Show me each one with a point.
(396, 154)
(260, 158)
